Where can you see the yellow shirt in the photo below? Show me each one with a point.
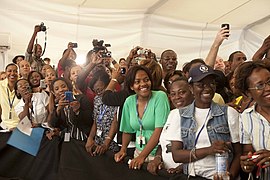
(6, 98)
(218, 99)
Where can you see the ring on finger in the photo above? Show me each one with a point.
(135, 167)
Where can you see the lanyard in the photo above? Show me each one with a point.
(140, 120)
(101, 113)
(10, 103)
(197, 137)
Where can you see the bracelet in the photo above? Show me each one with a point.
(193, 153)
(115, 80)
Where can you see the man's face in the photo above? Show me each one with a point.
(38, 50)
(169, 61)
(24, 68)
(238, 58)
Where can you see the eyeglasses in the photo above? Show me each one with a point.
(202, 85)
(260, 86)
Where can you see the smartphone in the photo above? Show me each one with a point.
(69, 96)
(123, 70)
(74, 45)
(42, 84)
(227, 27)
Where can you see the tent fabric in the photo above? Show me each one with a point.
(187, 26)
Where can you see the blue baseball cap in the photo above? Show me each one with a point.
(199, 72)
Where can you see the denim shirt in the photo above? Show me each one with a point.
(217, 126)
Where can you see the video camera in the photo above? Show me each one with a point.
(99, 47)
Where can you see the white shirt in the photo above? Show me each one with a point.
(205, 167)
(39, 102)
(164, 142)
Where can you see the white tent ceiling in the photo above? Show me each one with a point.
(187, 26)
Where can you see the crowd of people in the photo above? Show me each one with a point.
(147, 109)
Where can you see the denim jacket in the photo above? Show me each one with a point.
(217, 126)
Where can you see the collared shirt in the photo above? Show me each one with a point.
(35, 63)
(254, 129)
(8, 123)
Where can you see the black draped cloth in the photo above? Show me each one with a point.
(57, 160)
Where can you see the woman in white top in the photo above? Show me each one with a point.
(32, 105)
(204, 129)
(180, 96)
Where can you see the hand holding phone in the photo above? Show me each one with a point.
(69, 96)
(227, 27)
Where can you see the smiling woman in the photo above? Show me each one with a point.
(72, 116)
(145, 114)
(8, 100)
(253, 79)
(198, 135)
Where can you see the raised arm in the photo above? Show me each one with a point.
(262, 50)
(32, 40)
(211, 57)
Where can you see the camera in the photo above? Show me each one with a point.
(143, 52)
(42, 84)
(42, 27)
(123, 70)
(74, 45)
(106, 54)
(98, 46)
(69, 96)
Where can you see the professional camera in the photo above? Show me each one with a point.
(42, 27)
(99, 47)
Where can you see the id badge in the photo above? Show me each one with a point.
(67, 137)
(99, 132)
(141, 139)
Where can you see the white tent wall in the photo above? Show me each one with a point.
(126, 24)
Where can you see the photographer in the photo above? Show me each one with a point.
(34, 52)
(68, 54)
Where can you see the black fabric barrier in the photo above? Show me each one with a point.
(58, 160)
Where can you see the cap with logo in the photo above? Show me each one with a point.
(199, 72)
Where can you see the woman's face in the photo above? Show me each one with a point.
(99, 87)
(12, 73)
(59, 88)
(23, 87)
(74, 72)
(259, 78)
(44, 69)
(50, 75)
(142, 84)
(204, 91)
(35, 79)
(180, 94)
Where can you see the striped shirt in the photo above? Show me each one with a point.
(254, 129)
